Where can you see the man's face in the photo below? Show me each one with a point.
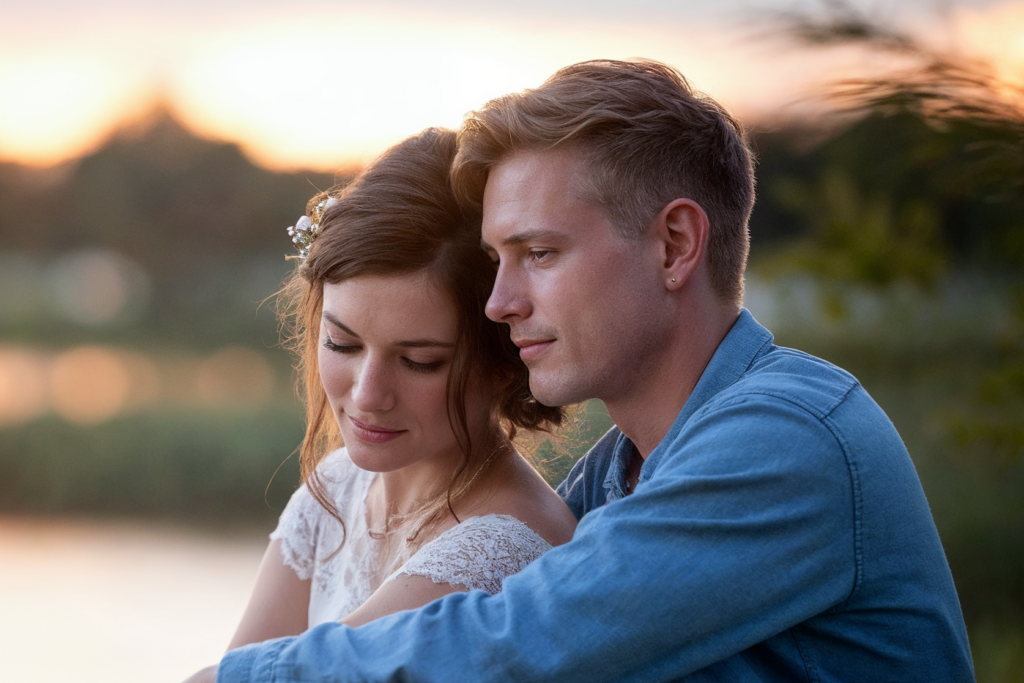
(581, 301)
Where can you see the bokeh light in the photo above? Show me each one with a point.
(96, 286)
(89, 385)
(235, 375)
(22, 385)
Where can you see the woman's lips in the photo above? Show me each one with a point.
(529, 349)
(373, 433)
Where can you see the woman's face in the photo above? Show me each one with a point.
(386, 347)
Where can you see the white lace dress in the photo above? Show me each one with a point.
(478, 553)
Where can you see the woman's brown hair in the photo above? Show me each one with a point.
(399, 216)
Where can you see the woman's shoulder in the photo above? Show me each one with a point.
(520, 493)
(478, 553)
(504, 535)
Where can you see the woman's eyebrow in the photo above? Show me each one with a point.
(337, 323)
(407, 344)
(423, 343)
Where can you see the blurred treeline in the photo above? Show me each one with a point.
(201, 230)
(889, 240)
(203, 223)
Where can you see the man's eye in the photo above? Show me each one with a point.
(539, 254)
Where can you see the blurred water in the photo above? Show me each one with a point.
(118, 601)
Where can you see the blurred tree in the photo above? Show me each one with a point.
(934, 161)
(930, 176)
(205, 223)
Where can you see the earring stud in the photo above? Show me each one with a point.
(673, 279)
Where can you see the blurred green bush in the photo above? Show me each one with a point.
(199, 465)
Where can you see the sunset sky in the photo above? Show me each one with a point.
(329, 84)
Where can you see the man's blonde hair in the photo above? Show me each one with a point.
(644, 137)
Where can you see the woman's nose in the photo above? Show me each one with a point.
(372, 390)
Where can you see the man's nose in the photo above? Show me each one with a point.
(509, 299)
(373, 389)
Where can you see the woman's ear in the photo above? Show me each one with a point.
(682, 231)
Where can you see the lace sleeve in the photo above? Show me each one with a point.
(298, 529)
(478, 553)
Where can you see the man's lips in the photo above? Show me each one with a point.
(373, 433)
(531, 348)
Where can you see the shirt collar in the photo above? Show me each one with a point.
(734, 355)
(615, 480)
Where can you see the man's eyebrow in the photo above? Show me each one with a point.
(406, 343)
(521, 237)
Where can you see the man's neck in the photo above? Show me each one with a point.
(646, 413)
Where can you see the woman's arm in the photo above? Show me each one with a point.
(401, 593)
(279, 605)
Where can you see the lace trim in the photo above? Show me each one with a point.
(297, 530)
(308, 534)
(478, 553)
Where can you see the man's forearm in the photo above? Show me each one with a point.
(688, 559)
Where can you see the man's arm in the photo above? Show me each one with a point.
(745, 529)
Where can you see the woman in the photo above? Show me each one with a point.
(399, 363)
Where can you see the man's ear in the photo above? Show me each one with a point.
(682, 231)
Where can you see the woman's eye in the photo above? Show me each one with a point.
(422, 367)
(340, 348)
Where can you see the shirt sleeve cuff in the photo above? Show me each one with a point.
(251, 663)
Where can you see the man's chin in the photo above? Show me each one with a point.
(553, 390)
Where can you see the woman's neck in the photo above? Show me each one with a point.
(401, 493)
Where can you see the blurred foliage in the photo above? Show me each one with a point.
(190, 465)
(555, 456)
(888, 198)
(158, 194)
(201, 219)
(927, 179)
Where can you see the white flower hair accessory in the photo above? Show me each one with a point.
(307, 228)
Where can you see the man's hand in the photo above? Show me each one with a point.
(207, 675)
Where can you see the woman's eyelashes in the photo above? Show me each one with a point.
(414, 365)
(330, 345)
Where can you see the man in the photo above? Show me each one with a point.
(753, 517)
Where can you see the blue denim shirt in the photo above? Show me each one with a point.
(778, 533)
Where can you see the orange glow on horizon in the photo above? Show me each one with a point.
(337, 97)
(59, 105)
(997, 35)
